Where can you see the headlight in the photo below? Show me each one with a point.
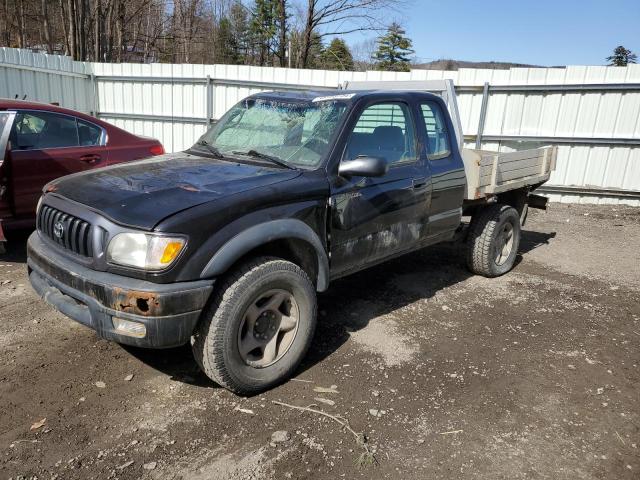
(141, 250)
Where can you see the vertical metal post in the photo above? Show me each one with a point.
(96, 103)
(209, 88)
(483, 115)
(449, 94)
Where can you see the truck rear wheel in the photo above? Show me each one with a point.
(259, 326)
(494, 237)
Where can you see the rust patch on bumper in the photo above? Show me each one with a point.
(133, 301)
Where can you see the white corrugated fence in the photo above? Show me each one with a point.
(592, 112)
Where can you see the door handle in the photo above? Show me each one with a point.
(419, 183)
(91, 158)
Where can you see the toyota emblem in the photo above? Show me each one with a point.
(58, 229)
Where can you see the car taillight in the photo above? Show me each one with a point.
(156, 150)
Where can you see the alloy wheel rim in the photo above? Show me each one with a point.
(269, 326)
(504, 244)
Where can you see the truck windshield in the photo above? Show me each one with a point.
(296, 133)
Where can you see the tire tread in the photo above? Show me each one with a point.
(208, 340)
(480, 239)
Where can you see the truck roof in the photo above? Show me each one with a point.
(342, 95)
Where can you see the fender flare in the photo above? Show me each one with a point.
(261, 234)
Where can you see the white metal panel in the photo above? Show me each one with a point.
(45, 78)
(51, 78)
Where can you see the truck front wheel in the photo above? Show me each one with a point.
(258, 327)
(494, 237)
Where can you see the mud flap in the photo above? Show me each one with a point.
(524, 214)
(537, 201)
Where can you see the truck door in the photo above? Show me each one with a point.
(378, 217)
(447, 172)
(45, 146)
(6, 122)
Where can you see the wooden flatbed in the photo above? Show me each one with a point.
(489, 173)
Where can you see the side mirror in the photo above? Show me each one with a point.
(363, 167)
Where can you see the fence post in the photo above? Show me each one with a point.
(94, 89)
(209, 88)
(483, 115)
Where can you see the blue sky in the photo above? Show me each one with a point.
(541, 32)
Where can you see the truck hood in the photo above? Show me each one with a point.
(140, 194)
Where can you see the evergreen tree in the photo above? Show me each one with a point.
(337, 56)
(394, 49)
(622, 57)
(316, 49)
(228, 51)
(239, 26)
(263, 28)
(282, 20)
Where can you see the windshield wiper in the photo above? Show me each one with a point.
(216, 153)
(265, 156)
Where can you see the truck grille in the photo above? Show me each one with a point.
(66, 230)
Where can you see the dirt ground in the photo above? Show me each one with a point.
(449, 376)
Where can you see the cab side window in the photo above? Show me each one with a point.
(40, 130)
(383, 130)
(437, 135)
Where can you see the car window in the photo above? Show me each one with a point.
(88, 133)
(40, 130)
(297, 132)
(437, 135)
(383, 130)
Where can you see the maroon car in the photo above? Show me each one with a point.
(40, 142)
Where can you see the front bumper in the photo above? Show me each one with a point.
(169, 312)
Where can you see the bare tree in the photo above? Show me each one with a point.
(21, 23)
(185, 27)
(339, 17)
(46, 26)
(363, 54)
(6, 24)
(283, 32)
(192, 31)
(73, 28)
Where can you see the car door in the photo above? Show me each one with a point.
(6, 122)
(447, 172)
(377, 217)
(45, 146)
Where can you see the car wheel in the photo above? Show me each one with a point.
(494, 237)
(258, 327)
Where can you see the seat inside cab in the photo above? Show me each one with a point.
(381, 132)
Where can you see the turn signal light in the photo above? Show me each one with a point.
(171, 251)
(156, 150)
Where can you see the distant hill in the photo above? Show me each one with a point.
(449, 64)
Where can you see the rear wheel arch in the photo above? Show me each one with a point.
(290, 239)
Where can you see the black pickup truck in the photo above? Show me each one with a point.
(225, 245)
